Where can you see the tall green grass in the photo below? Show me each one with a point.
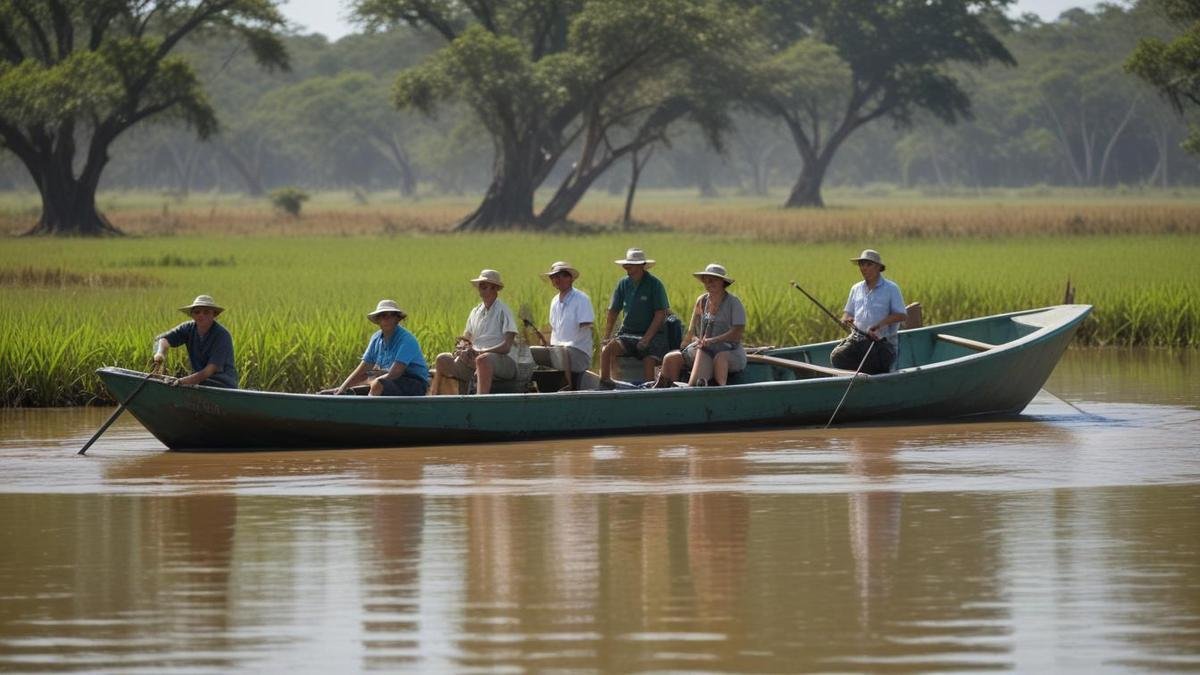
(296, 306)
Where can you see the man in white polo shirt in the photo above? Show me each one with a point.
(571, 319)
(485, 350)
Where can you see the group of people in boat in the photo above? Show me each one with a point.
(486, 353)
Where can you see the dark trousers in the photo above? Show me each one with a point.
(405, 385)
(849, 353)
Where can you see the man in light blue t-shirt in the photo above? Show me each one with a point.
(873, 312)
(393, 363)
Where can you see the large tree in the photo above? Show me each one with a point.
(1174, 67)
(833, 66)
(603, 78)
(341, 123)
(75, 74)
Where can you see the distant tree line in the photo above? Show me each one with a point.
(507, 99)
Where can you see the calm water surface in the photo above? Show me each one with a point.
(1059, 541)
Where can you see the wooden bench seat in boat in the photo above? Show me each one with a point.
(965, 342)
(801, 366)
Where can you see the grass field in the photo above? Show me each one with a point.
(296, 304)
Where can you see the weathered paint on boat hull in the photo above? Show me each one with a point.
(952, 382)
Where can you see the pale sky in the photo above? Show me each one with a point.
(326, 16)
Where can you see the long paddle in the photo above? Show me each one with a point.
(117, 413)
(829, 314)
(853, 377)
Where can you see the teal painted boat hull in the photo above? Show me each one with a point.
(935, 380)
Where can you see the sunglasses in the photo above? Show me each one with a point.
(201, 310)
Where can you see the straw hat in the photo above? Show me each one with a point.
(870, 255)
(203, 301)
(714, 270)
(562, 266)
(635, 256)
(384, 307)
(490, 276)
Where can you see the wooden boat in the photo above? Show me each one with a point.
(986, 366)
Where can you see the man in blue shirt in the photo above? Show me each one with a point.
(873, 312)
(209, 346)
(392, 363)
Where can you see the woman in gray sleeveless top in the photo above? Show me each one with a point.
(712, 346)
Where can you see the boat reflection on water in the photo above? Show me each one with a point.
(875, 515)
(913, 548)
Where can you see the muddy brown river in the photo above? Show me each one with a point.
(1064, 540)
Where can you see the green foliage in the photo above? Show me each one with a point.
(289, 200)
(1174, 67)
(93, 70)
(614, 73)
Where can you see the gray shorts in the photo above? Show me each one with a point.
(737, 357)
(562, 358)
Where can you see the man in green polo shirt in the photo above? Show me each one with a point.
(643, 299)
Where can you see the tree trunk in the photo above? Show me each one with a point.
(399, 158)
(507, 204)
(1113, 140)
(254, 186)
(69, 205)
(635, 175)
(807, 190)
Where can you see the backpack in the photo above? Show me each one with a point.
(674, 330)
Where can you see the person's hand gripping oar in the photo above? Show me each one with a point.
(154, 368)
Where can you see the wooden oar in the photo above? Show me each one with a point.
(117, 413)
(852, 379)
(828, 313)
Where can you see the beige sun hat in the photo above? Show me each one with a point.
(562, 266)
(203, 301)
(635, 256)
(384, 307)
(714, 270)
(870, 255)
(490, 276)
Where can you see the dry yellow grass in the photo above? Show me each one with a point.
(862, 219)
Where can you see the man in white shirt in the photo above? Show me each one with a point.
(571, 319)
(485, 350)
(873, 312)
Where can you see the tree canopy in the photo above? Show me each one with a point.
(76, 74)
(1174, 67)
(603, 76)
(833, 66)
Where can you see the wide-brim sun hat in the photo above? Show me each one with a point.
(562, 266)
(203, 301)
(870, 255)
(635, 256)
(714, 270)
(490, 276)
(386, 307)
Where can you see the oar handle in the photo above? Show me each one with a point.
(535, 330)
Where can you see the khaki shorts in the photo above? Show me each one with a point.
(505, 368)
(562, 358)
